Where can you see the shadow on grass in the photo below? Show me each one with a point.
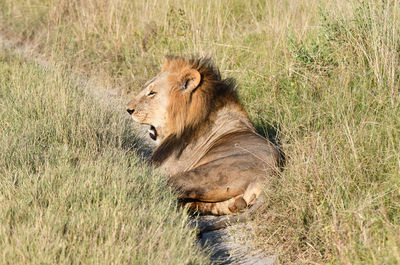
(133, 140)
(271, 132)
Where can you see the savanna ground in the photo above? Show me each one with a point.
(322, 77)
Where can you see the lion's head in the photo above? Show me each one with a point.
(181, 97)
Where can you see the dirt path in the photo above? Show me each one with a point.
(223, 245)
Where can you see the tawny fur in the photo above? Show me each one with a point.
(207, 145)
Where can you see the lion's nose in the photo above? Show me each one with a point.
(130, 111)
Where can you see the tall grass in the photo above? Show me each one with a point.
(126, 40)
(323, 77)
(71, 190)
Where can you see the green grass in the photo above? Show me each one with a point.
(323, 76)
(71, 190)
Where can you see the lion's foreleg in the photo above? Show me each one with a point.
(230, 206)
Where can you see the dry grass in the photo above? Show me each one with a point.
(71, 189)
(324, 77)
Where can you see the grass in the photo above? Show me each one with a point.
(323, 76)
(71, 189)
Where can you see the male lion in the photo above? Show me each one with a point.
(206, 142)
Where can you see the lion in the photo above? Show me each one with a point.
(206, 143)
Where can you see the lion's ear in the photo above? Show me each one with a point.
(190, 80)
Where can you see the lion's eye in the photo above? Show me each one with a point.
(151, 93)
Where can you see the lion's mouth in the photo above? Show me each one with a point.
(152, 132)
